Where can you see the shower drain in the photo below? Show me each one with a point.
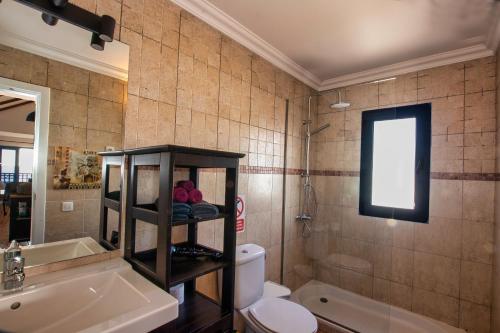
(323, 300)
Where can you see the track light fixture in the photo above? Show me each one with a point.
(101, 27)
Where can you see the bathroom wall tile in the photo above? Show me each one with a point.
(401, 90)
(382, 261)
(480, 112)
(441, 81)
(68, 109)
(478, 201)
(263, 75)
(357, 226)
(475, 318)
(236, 60)
(402, 233)
(105, 87)
(148, 113)
(63, 225)
(132, 15)
(475, 282)
(166, 123)
(131, 109)
(381, 290)
(437, 306)
(355, 255)
(104, 115)
(446, 198)
(447, 153)
(91, 212)
(437, 273)
(150, 69)
(479, 152)
(99, 140)
(401, 295)
(362, 96)
(134, 41)
(447, 114)
(68, 78)
(402, 266)
(477, 241)
(356, 282)
(480, 75)
(67, 136)
(440, 236)
(168, 77)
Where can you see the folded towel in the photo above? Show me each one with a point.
(204, 210)
(181, 194)
(180, 217)
(195, 196)
(180, 211)
(181, 208)
(186, 184)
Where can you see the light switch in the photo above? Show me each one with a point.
(67, 206)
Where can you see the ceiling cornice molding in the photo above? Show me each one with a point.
(218, 19)
(410, 66)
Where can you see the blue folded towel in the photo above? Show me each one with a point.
(204, 210)
(180, 211)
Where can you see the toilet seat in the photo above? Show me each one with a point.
(281, 316)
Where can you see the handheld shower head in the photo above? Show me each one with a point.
(340, 104)
(319, 129)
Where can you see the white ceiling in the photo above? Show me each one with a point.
(330, 41)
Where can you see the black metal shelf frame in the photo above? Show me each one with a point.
(109, 160)
(158, 264)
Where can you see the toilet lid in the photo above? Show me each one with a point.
(282, 316)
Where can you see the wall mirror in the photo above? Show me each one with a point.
(61, 102)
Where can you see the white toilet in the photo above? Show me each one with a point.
(262, 304)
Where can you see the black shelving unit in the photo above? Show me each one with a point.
(198, 313)
(110, 159)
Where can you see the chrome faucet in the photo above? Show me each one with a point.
(13, 267)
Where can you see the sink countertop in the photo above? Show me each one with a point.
(108, 296)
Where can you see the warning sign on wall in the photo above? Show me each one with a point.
(240, 213)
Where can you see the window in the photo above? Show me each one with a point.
(16, 164)
(395, 163)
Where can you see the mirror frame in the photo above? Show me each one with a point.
(41, 96)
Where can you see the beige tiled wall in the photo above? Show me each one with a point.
(190, 85)
(86, 112)
(442, 269)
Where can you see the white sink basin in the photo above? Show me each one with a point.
(103, 297)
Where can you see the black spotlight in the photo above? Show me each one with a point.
(31, 116)
(59, 3)
(107, 29)
(52, 20)
(49, 19)
(96, 42)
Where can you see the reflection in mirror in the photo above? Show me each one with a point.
(56, 113)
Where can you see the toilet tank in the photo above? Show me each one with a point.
(249, 275)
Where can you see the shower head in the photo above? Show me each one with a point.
(340, 104)
(319, 129)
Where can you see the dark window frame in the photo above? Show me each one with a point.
(422, 114)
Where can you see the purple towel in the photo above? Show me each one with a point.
(195, 196)
(186, 184)
(180, 195)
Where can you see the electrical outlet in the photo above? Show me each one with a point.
(67, 206)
